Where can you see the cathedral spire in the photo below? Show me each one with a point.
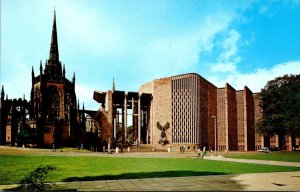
(113, 86)
(32, 73)
(54, 57)
(73, 80)
(41, 68)
(2, 93)
(54, 66)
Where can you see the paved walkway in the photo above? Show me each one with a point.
(280, 163)
(278, 181)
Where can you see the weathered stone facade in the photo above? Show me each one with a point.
(52, 114)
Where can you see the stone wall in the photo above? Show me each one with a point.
(161, 106)
(107, 118)
(189, 109)
(188, 102)
(147, 88)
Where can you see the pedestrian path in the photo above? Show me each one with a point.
(281, 163)
(279, 181)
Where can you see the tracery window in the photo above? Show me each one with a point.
(54, 111)
(56, 105)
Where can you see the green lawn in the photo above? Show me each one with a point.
(273, 156)
(14, 167)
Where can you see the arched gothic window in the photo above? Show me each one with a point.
(37, 100)
(54, 111)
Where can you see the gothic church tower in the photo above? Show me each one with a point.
(53, 100)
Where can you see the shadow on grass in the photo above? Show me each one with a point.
(143, 175)
(218, 182)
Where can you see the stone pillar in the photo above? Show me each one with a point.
(262, 141)
(125, 117)
(115, 128)
(133, 120)
(139, 119)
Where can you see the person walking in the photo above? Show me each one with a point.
(53, 147)
(121, 148)
(199, 151)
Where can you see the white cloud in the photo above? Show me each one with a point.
(230, 45)
(228, 59)
(223, 67)
(173, 55)
(258, 79)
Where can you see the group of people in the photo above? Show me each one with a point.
(119, 149)
(182, 149)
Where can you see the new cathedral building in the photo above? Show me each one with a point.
(172, 111)
(184, 110)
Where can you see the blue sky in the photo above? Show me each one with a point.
(136, 41)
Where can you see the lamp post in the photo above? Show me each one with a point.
(215, 121)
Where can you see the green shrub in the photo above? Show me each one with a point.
(35, 181)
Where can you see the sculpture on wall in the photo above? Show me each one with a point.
(163, 136)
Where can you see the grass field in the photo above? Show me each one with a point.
(76, 168)
(273, 156)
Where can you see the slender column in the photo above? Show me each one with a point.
(139, 119)
(133, 120)
(115, 128)
(125, 117)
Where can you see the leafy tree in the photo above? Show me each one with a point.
(26, 135)
(280, 103)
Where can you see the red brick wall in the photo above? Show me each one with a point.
(257, 116)
(48, 138)
(204, 111)
(231, 117)
(240, 120)
(107, 118)
(212, 111)
(8, 134)
(221, 119)
(250, 119)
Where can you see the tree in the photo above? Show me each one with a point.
(26, 135)
(280, 104)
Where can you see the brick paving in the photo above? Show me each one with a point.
(278, 181)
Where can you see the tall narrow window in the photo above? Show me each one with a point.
(56, 105)
(54, 111)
